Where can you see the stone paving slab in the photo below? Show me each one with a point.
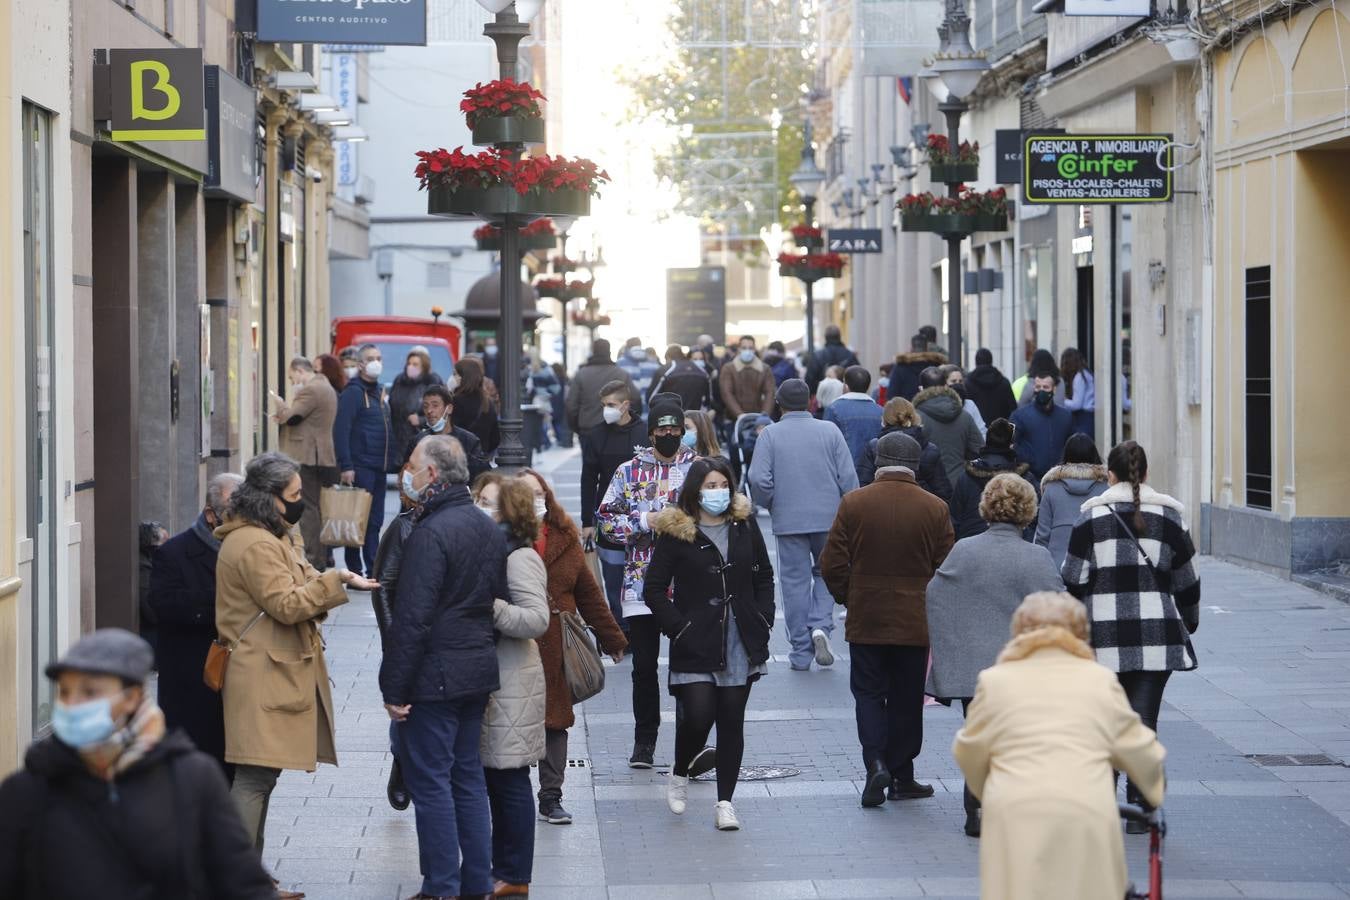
(1274, 677)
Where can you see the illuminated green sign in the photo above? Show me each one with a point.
(1096, 168)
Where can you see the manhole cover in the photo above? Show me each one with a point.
(1293, 759)
(756, 773)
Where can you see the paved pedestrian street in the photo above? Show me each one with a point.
(1258, 799)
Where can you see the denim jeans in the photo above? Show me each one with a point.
(511, 797)
(437, 745)
(362, 559)
(611, 566)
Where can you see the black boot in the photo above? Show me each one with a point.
(874, 789)
(397, 790)
(972, 828)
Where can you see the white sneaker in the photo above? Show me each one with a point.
(726, 817)
(677, 793)
(821, 640)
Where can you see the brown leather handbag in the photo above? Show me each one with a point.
(218, 657)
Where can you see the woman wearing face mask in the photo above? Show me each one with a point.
(699, 434)
(718, 618)
(405, 396)
(513, 725)
(475, 405)
(110, 805)
(269, 603)
(571, 588)
(350, 359)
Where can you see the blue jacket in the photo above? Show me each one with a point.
(800, 470)
(1041, 436)
(642, 373)
(859, 418)
(439, 644)
(363, 435)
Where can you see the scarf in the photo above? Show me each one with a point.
(430, 493)
(1028, 642)
(541, 542)
(128, 745)
(206, 532)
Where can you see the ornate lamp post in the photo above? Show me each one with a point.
(808, 180)
(955, 72)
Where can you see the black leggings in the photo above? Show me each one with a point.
(705, 704)
(1144, 690)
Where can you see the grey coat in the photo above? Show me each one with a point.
(971, 600)
(950, 427)
(800, 469)
(1064, 490)
(513, 724)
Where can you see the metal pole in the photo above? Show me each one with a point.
(952, 109)
(564, 302)
(507, 31)
(810, 203)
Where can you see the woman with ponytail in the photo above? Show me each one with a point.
(1132, 563)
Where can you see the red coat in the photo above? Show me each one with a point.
(571, 588)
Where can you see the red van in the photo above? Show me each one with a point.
(396, 335)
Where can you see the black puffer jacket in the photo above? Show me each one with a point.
(388, 567)
(992, 393)
(473, 448)
(686, 379)
(932, 477)
(705, 584)
(165, 829)
(965, 504)
(440, 644)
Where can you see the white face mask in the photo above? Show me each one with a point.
(351, 372)
(414, 372)
(613, 414)
(374, 368)
(540, 508)
(452, 383)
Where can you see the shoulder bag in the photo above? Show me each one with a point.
(1189, 617)
(218, 657)
(582, 667)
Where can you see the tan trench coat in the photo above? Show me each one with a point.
(278, 707)
(1038, 747)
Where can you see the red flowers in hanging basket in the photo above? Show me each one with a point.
(939, 151)
(969, 203)
(538, 228)
(501, 99)
(804, 231)
(830, 262)
(455, 169)
(586, 320)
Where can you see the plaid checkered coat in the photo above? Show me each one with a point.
(1136, 612)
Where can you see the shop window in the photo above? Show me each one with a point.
(1258, 388)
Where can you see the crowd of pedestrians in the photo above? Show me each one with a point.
(943, 511)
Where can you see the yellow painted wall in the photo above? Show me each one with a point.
(10, 241)
(1321, 322)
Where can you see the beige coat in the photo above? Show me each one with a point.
(1042, 736)
(513, 725)
(278, 708)
(310, 441)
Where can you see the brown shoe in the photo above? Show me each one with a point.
(506, 889)
(287, 895)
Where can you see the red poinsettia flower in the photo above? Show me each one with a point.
(499, 99)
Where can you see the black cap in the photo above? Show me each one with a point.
(665, 409)
(1000, 435)
(108, 651)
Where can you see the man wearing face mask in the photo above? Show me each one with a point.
(307, 437)
(364, 444)
(747, 384)
(350, 358)
(641, 368)
(603, 449)
(183, 596)
(1043, 427)
(641, 487)
(438, 405)
(112, 804)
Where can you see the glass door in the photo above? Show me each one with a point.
(40, 493)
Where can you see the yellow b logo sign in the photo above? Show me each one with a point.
(173, 101)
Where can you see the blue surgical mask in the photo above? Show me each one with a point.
(412, 493)
(83, 725)
(747, 356)
(715, 501)
(437, 426)
(690, 439)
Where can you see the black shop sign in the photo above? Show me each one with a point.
(1096, 168)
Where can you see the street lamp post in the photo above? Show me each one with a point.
(808, 180)
(564, 225)
(958, 67)
(507, 31)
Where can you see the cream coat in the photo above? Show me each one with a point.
(278, 708)
(1038, 747)
(513, 726)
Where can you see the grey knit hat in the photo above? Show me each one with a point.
(793, 395)
(898, 449)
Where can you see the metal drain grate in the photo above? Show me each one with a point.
(578, 763)
(1272, 760)
(756, 773)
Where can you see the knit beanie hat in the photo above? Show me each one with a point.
(1000, 435)
(793, 395)
(898, 449)
(665, 409)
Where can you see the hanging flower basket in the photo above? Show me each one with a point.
(991, 222)
(939, 222)
(493, 186)
(492, 204)
(807, 237)
(970, 212)
(553, 288)
(810, 267)
(508, 130)
(953, 173)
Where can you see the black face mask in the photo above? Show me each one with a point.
(960, 389)
(294, 510)
(666, 444)
(1044, 399)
